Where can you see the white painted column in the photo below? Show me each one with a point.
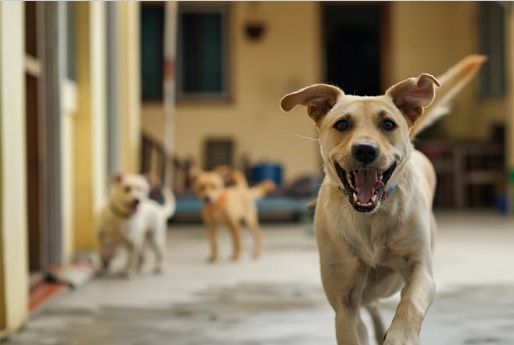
(13, 205)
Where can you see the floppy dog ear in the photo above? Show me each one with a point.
(224, 171)
(412, 95)
(193, 174)
(116, 177)
(318, 99)
(153, 180)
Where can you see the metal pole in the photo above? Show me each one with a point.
(170, 43)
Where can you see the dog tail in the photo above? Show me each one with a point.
(170, 203)
(260, 190)
(451, 82)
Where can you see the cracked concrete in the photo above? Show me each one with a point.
(278, 299)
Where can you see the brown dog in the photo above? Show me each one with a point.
(373, 222)
(229, 205)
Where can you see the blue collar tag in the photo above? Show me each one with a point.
(390, 190)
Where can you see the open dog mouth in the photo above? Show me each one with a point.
(133, 206)
(364, 187)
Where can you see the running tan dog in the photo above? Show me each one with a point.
(374, 224)
(229, 206)
(130, 219)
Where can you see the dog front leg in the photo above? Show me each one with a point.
(158, 246)
(253, 224)
(416, 298)
(213, 241)
(343, 278)
(132, 258)
(235, 230)
(210, 227)
(107, 248)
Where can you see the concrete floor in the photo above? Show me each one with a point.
(278, 299)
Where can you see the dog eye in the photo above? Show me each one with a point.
(388, 125)
(127, 189)
(341, 125)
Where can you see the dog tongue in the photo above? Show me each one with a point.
(366, 183)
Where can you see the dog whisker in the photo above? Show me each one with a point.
(304, 137)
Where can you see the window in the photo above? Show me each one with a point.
(491, 43)
(152, 52)
(218, 152)
(202, 53)
(202, 46)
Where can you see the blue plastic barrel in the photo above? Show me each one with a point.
(267, 171)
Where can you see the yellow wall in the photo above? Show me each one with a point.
(129, 96)
(13, 226)
(69, 108)
(424, 37)
(89, 132)
(89, 146)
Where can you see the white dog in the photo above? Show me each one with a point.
(130, 219)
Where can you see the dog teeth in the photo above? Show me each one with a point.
(349, 179)
(355, 197)
(374, 198)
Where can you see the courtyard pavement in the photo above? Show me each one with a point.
(278, 299)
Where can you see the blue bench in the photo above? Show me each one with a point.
(270, 207)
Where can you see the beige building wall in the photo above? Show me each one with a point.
(430, 37)
(261, 73)
(424, 37)
(427, 37)
(13, 206)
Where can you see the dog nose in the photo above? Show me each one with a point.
(136, 202)
(365, 152)
(207, 200)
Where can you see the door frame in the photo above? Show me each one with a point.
(52, 187)
(45, 234)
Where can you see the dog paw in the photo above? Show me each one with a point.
(212, 259)
(257, 255)
(236, 257)
(127, 274)
(396, 337)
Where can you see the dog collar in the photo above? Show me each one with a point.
(387, 192)
(119, 212)
(215, 206)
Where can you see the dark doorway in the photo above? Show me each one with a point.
(352, 44)
(42, 139)
(34, 141)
